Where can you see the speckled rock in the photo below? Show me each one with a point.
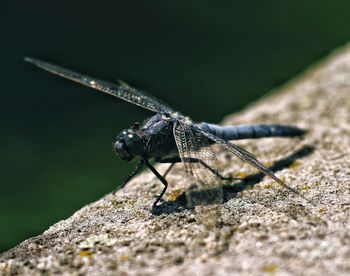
(260, 227)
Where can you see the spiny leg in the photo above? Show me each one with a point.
(137, 169)
(161, 178)
(195, 160)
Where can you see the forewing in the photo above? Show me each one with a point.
(247, 157)
(201, 164)
(183, 147)
(193, 145)
(122, 91)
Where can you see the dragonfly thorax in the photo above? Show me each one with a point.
(129, 145)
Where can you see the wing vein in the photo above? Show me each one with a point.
(122, 91)
(249, 158)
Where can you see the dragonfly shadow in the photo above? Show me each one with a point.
(230, 190)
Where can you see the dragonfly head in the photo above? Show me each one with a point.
(129, 145)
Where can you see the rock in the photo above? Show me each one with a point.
(260, 228)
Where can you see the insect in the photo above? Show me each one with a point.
(170, 137)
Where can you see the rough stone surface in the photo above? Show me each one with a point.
(260, 228)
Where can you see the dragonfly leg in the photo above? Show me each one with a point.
(195, 160)
(137, 169)
(161, 178)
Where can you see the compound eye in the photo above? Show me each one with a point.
(120, 148)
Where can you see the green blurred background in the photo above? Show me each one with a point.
(205, 58)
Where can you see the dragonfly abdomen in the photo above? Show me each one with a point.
(251, 131)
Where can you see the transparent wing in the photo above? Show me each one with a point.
(200, 163)
(183, 147)
(121, 91)
(247, 157)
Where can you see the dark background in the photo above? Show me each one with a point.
(206, 58)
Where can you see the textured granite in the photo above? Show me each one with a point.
(260, 228)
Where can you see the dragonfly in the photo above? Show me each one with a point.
(170, 137)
